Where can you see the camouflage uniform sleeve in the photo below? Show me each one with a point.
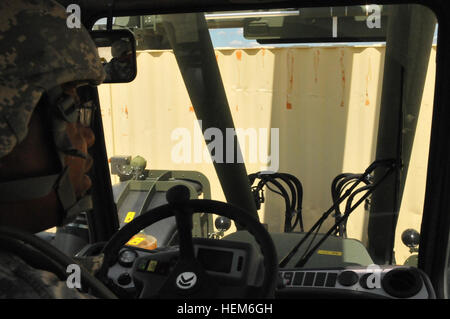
(18, 280)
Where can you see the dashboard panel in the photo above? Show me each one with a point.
(355, 282)
(341, 268)
(234, 263)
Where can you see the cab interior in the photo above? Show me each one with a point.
(348, 105)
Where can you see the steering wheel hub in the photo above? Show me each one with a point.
(186, 280)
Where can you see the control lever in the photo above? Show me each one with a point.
(222, 224)
(411, 239)
(176, 197)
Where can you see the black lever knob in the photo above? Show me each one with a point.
(411, 238)
(222, 223)
(178, 195)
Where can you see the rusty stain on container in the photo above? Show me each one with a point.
(238, 66)
(341, 60)
(291, 70)
(316, 64)
(368, 77)
(239, 55)
(191, 108)
(126, 111)
(290, 66)
(263, 52)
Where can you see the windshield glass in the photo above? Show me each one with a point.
(318, 94)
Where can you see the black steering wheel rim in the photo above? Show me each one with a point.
(54, 256)
(251, 224)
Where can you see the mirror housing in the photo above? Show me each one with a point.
(117, 50)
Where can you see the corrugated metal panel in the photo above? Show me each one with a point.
(325, 102)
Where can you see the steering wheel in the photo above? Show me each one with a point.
(186, 267)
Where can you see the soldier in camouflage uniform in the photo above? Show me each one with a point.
(43, 135)
(120, 68)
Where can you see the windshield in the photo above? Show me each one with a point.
(318, 94)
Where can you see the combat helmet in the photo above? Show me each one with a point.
(37, 53)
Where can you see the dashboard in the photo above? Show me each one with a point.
(236, 264)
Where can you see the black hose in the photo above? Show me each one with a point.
(339, 183)
(266, 179)
(293, 203)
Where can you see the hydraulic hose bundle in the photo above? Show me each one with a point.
(293, 202)
(389, 166)
(339, 184)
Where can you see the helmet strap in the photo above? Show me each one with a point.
(62, 106)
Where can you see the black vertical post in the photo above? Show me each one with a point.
(189, 37)
(408, 46)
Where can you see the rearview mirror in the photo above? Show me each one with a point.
(117, 50)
